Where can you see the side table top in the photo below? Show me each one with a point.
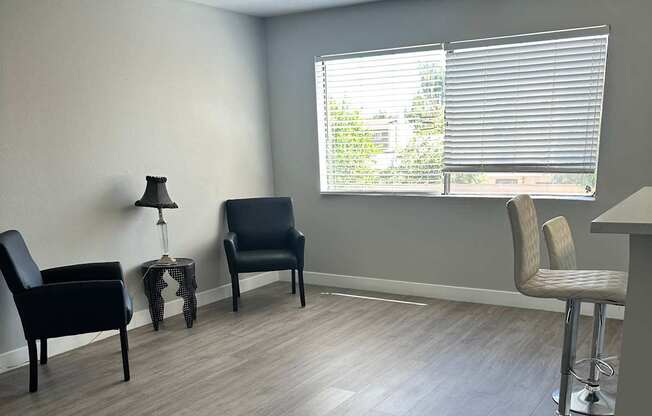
(181, 262)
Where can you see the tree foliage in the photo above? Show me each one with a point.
(351, 144)
(420, 160)
(426, 112)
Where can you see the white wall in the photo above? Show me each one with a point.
(94, 95)
(450, 241)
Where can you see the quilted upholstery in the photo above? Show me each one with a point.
(559, 240)
(597, 286)
(525, 234)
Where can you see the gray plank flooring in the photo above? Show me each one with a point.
(338, 356)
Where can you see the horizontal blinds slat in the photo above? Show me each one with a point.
(530, 68)
(507, 145)
(416, 170)
(527, 107)
(558, 143)
(543, 49)
(517, 85)
(378, 61)
(568, 148)
(516, 124)
(390, 96)
(523, 73)
(531, 76)
(551, 105)
(524, 133)
(531, 95)
(554, 54)
(514, 81)
(502, 146)
(496, 68)
(396, 82)
(498, 115)
(515, 168)
(382, 175)
(383, 53)
(406, 69)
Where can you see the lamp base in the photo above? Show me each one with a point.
(165, 259)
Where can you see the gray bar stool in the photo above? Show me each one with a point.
(587, 399)
(571, 286)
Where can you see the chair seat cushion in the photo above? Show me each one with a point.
(265, 260)
(595, 286)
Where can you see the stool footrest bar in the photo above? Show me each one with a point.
(603, 367)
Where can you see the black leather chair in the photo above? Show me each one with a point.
(63, 301)
(262, 238)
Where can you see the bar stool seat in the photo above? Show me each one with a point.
(594, 286)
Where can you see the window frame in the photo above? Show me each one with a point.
(446, 176)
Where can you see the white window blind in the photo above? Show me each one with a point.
(525, 106)
(381, 122)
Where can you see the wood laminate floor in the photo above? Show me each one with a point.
(338, 356)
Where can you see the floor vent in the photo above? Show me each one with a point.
(372, 298)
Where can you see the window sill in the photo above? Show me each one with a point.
(589, 198)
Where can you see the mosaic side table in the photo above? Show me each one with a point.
(183, 271)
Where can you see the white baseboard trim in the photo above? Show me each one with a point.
(454, 293)
(19, 357)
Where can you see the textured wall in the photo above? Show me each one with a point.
(96, 94)
(452, 241)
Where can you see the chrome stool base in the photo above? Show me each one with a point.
(587, 402)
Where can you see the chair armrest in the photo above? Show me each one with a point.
(231, 248)
(297, 242)
(83, 272)
(70, 308)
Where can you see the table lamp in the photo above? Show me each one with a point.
(156, 196)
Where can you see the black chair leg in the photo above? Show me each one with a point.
(124, 346)
(33, 365)
(234, 291)
(44, 351)
(126, 341)
(294, 282)
(237, 281)
(302, 293)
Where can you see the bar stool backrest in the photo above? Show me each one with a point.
(559, 240)
(525, 234)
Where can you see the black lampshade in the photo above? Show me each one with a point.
(156, 194)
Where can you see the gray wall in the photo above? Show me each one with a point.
(452, 241)
(96, 94)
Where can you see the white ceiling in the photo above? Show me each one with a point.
(266, 8)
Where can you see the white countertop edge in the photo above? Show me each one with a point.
(631, 216)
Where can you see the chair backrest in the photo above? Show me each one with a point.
(559, 240)
(525, 234)
(260, 223)
(17, 266)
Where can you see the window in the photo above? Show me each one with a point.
(492, 116)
